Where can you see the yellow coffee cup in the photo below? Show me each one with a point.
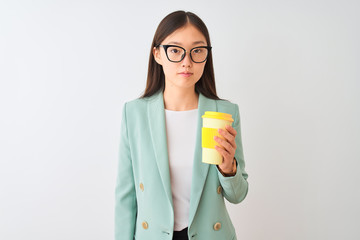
(212, 121)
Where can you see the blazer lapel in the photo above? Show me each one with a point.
(200, 169)
(156, 116)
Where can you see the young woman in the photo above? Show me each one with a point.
(163, 189)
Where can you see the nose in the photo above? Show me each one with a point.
(186, 62)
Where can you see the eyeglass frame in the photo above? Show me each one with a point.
(183, 56)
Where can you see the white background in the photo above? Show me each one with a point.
(67, 67)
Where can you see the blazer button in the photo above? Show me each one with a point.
(219, 189)
(145, 225)
(217, 226)
(141, 186)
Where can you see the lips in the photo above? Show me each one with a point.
(186, 74)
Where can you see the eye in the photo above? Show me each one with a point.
(174, 50)
(197, 50)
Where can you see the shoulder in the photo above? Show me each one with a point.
(225, 103)
(227, 106)
(137, 106)
(136, 103)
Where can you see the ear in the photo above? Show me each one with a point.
(157, 55)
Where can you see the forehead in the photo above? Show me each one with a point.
(186, 36)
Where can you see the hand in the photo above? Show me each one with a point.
(228, 148)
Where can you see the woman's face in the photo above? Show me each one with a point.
(187, 37)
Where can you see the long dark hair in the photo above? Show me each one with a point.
(156, 78)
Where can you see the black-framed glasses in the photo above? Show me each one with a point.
(176, 53)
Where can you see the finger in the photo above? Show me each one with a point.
(224, 143)
(228, 136)
(224, 153)
(231, 129)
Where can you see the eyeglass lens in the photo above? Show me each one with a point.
(197, 54)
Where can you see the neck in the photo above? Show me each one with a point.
(181, 100)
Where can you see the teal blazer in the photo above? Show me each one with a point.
(143, 198)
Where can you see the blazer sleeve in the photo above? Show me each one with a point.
(235, 188)
(125, 195)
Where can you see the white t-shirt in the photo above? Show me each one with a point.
(181, 129)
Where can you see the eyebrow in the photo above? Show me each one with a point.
(194, 43)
